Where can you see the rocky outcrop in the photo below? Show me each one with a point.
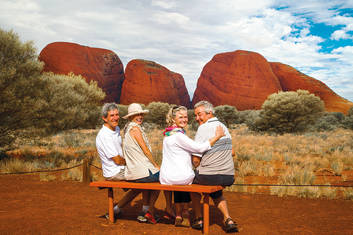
(245, 79)
(241, 78)
(292, 80)
(97, 64)
(146, 81)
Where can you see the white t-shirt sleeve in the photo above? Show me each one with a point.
(106, 145)
(190, 145)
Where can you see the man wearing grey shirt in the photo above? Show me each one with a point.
(214, 167)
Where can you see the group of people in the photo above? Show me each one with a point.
(206, 160)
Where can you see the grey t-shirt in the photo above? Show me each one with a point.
(217, 160)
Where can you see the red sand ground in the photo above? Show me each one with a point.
(29, 206)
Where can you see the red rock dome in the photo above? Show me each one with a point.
(242, 79)
(101, 65)
(146, 81)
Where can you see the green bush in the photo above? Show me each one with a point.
(20, 86)
(157, 113)
(249, 117)
(122, 113)
(227, 114)
(329, 121)
(69, 103)
(289, 112)
(348, 122)
(193, 124)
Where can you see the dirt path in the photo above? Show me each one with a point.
(29, 206)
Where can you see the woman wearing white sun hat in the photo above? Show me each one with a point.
(140, 165)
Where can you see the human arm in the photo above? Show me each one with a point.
(136, 133)
(219, 133)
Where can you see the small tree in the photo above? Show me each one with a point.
(329, 121)
(157, 113)
(289, 111)
(20, 86)
(348, 122)
(69, 102)
(227, 114)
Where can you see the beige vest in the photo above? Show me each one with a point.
(137, 164)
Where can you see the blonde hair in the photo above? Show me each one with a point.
(172, 113)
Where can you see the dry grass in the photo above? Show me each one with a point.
(289, 159)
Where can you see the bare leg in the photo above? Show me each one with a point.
(178, 209)
(153, 196)
(168, 202)
(222, 206)
(196, 204)
(128, 197)
(145, 197)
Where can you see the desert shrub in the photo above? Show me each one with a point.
(249, 117)
(122, 113)
(227, 114)
(329, 121)
(348, 122)
(289, 112)
(20, 86)
(192, 123)
(69, 103)
(157, 113)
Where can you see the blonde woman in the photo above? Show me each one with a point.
(176, 168)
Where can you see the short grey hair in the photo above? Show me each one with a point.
(108, 107)
(207, 105)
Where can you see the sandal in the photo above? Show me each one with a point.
(178, 221)
(197, 223)
(230, 227)
(168, 218)
(150, 218)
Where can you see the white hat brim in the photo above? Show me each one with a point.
(135, 113)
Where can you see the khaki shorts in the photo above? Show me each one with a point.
(119, 176)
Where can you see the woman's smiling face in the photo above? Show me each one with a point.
(181, 118)
(138, 118)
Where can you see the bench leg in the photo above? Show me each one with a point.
(111, 204)
(206, 214)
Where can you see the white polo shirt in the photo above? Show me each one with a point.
(108, 145)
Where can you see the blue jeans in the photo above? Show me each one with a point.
(149, 179)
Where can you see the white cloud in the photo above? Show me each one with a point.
(340, 34)
(185, 35)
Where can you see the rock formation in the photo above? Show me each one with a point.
(146, 81)
(101, 65)
(245, 79)
(241, 78)
(292, 80)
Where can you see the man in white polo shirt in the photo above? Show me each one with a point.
(108, 143)
(215, 166)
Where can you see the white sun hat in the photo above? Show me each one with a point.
(134, 109)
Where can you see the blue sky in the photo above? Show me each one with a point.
(315, 37)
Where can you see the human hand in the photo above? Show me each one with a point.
(196, 161)
(219, 131)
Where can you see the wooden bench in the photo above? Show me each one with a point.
(205, 189)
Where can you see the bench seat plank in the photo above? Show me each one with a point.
(157, 186)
